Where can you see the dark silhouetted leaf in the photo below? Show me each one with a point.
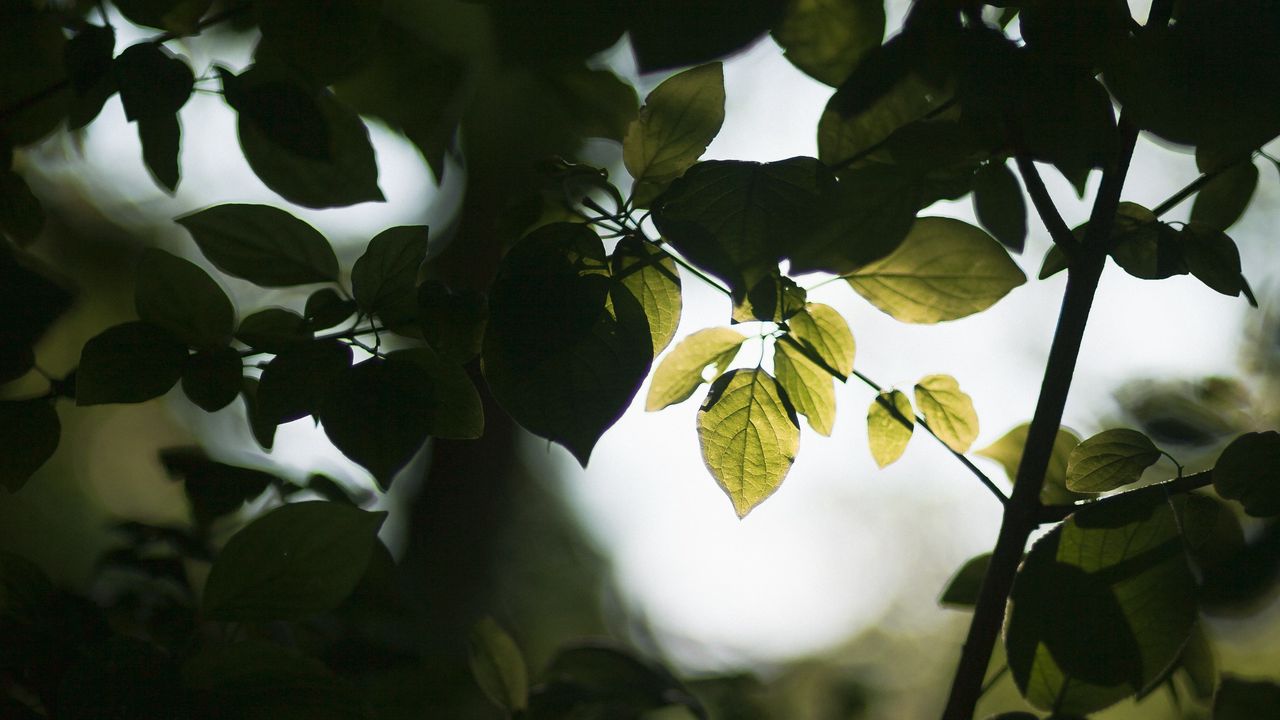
(1102, 606)
(455, 409)
(21, 215)
(29, 432)
(1008, 452)
(285, 113)
(1143, 246)
(962, 589)
(1240, 699)
(560, 360)
(684, 368)
(177, 295)
(498, 666)
(31, 65)
(1055, 261)
(749, 436)
(604, 681)
(326, 308)
(161, 138)
(263, 430)
(129, 363)
(294, 383)
(774, 298)
(295, 561)
(1212, 258)
(1222, 201)
(328, 40)
(154, 85)
(945, 269)
(1248, 471)
(26, 283)
(810, 388)
(843, 136)
(673, 33)
(887, 436)
(997, 199)
(211, 378)
(384, 280)
(826, 39)
(88, 58)
(867, 218)
(1064, 116)
(213, 488)
(679, 119)
(257, 679)
(596, 103)
(180, 17)
(379, 412)
(452, 322)
(274, 330)
(262, 244)
(1109, 460)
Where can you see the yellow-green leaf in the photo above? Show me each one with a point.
(679, 119)
(650, 275)
(948, 410)
(1008, 452)
(1109, 460)
(822, 331)
(681, 371)
(810, 388)
(945, 269)
(498, 666)
(827, 38)
(887, 435)
(749, 436)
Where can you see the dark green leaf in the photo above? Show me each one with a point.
(1064, 116)
(328, 40)
(262, 244)
(31, 65)
(1199, 664)
(295, 561)
(867, 217)
(122, 677)
(263, 430)
(129, 363)
(827, 39)
(1077, 33)
(887, 436)
(384, 280)
(154, 85)
(673, 33)
(997, 199)
(326, 308)
(602, 681)
(211, 378)
(684, 368)
(452, 323)
(1101, 607)
(454, 406)
(346, 174)
(1248, 471)
(29, 432)
(1008, 452)
(679, 119)
(285, 113)
(1222, 201)
(88, 58)
(562, 354)
(1144, 247)
(213, 488)
(1240, 699)
(274, 330)
(843, 136)
(294, 383)
(21, 215)
(774, 298)
(180, 17)
(962, 589)
(161, 138)
(498, 666)
(1212, 258)
(177, 295)
(1109, 460)
(379, 412)
(257, 680)
(1055, 261)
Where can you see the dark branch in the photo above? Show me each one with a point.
(1057, 513)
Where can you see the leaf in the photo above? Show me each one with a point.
(1143, 246)
(295, 561)
(1212, 258)
(948, 410)
(737, 219)
(684, 368)
(379, 413)
(262, 244)
(673, 33)
(827, 38)
(843, 136)
(326, 308)
(263, 430)
(822, 331)
(452, 323)
(1110, 459)
(88, 57)
(749, 436)
(810, 389)
(161, 139)
(455, 409)
(1240, 699)
(129, 363)
(498, 666)
(211, 377)
(962, 590)
(602, 681)
(384, 279)
(328, 40)
(214, 489)
(1222, 200)
(177, 295)
(1248, 471)
(679, 119)
(1008, 452)
(563, 354)
(887, 436)
(258, 679)
(154, 85)
(944, 270)
(180, 17)
(868, 216)
(650, 275)
(998, 201)
(1101, 607)
(286, 113)
(29, 433)
(346, 175)
(295, 382)
(21, 215)
(274, 330)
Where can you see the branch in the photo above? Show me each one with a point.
(1059, 232)
(1057, 513)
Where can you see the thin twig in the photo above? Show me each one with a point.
(1058, 229)
(1057, 513)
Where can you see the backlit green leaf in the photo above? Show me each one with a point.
(944, 270)
(1008, 452)
(1212, 258)
(384, 280)
(254, 678)
(1110, 459)
(498, 666)
(997, 199)
(962, 590)
(827, 38)
(749, 436)
(297, 560)
(948, 410)
(211, 377)
(1248, 471)
(263, 430)
(89, 57)
(824, 332)
(29, 432)
(274, 330)
(679, 119)
(177, 295)
(1102, 606)
(650, 274)
(262, 244)
(129, 363)
(684, 368)
(213, 488)
(887, 436)
(154, 85)
(1222, 200)
(810, 389)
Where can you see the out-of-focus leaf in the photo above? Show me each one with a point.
(254, 679)
(21, 215)
(498, 666)
(683, 369)
(1248, 471)
(887, 436)
(602, 681)
(452, 322)
(679, 119)
(948, 410)
(1240, 699)
(262, 244)
(177, 295)
(674, 33)
(129, 363)
(177, 16)
(1008, 452)
(826, 39)
(29, 432)
(328, 40)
